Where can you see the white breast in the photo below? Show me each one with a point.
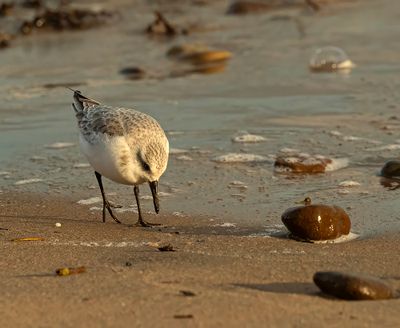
(104, 155)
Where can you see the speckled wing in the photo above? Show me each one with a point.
(100, 119)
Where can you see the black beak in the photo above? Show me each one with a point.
(154, 191)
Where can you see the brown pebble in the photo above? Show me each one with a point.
(299, 164)
(391, 169)
(351, 286)
(133, 73)
(316, 222)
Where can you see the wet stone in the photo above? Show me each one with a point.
(133, 73)
(298, 164)
(351, 286)
(391, 169)
(316, 222)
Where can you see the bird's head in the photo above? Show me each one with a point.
(152, 162)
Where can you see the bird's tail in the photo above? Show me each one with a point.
(80, 101)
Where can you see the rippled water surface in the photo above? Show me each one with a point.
(266, 89)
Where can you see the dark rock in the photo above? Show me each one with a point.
(353, 286)
(391, 169)
(316, 222)
(133, 73)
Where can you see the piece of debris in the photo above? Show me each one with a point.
(183, 316)
(161, 26)
(167, 248)
(68, 271)
(28, 239)
(187, 293)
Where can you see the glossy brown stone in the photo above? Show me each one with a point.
(391, 169)
(297, 164)
(316, 222)
(353, 286)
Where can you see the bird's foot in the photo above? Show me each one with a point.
(142, 223)
(108, 207)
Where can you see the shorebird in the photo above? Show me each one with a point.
(123, 145)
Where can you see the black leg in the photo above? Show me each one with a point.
(106, 204)
(141, 222)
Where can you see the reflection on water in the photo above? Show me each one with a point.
(265, 89)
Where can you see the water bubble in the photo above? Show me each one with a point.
(330, 59)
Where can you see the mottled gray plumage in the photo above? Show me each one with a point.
(116, 122)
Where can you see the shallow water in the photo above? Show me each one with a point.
(266, 89)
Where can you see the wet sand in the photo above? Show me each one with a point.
(230, 278)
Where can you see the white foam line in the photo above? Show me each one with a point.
(341, 239)
(89, 201)
(28, 181)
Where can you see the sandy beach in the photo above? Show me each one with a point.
(218, 276)
(232, 263)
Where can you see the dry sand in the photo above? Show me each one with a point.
(237, 280)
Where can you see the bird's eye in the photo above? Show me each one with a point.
(142, 162)
(146, 166)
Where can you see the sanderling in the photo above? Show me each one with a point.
(124, 145)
